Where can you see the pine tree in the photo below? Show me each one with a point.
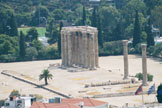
(22, 45)
(150, 39)
(59, 38)
(100, 38)
(94, 18)
(137, 31)
(84, 16)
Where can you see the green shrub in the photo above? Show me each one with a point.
(111, 48)
(150, 77)
(140, 76)
(2, 103)
(15, 93)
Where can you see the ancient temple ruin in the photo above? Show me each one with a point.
(79, 46)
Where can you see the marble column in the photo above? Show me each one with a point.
(84, 48)
(86, 51)
(92, 46)
(144, 64)
(62, 48)
(96, 49)
(66, 48)
(125, 52)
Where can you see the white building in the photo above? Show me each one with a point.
(19, 102)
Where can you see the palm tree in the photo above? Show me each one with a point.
(46, 75)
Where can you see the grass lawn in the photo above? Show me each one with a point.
(41, 30)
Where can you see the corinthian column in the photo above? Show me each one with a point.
(125, 52)
(62, 48)
(144, 64)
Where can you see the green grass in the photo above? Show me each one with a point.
(41, 30)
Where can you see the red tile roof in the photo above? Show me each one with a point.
(69, 103)
(87, 102)
(52, 105)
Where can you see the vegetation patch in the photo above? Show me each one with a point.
(41, 30)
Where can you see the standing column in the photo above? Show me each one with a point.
(75, 48)
(66, 48)
(86, 50)
(96, 49)
(81, 50)
(79, 47)
(69, 49)
(144, 64)
(62, 48)
(92, 46)
(125, 52)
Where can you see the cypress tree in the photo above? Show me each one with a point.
(137, 31)
(22, 45)
(84, 16)
(12, 26)
(59, 38)
(150, 39)
(94, 18)
(100, 38)
(118, 32)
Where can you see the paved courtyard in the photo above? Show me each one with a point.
(71, 81)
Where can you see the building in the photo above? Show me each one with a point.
(19, 102)
(71, 103)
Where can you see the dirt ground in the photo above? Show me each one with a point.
(71, 81)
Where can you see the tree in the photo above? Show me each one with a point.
(118, 32)
(84, 16)
(50, 28)
(13, 26)
(159, 93)
(94, 18)
(37, 44)
(41, 12)
(59, 38)
(59, 14)
(45, 75)
(150, 39)
(54, 37)
(32, 34)
(14, 93)
(31, 53)
(7, 47)
(156, 15)
(109, 16)
(22, 45)
(137, 31)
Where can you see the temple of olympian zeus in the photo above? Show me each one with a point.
(79, 47)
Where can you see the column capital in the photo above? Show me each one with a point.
(125, 42)
(143, 45)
